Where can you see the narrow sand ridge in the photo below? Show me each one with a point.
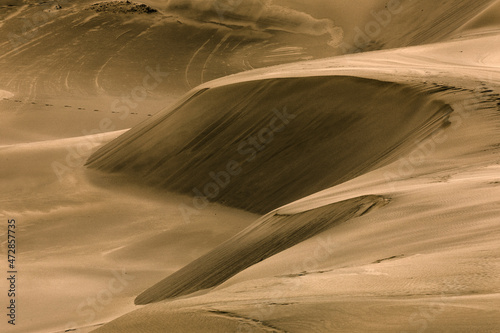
(265, 238)
(250, 145)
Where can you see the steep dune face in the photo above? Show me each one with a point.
(251, 145)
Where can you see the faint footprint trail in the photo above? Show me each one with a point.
(205, 65)
(192, 59)
(99, 71)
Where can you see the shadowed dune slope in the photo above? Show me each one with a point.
(252, 145)
(265, 238)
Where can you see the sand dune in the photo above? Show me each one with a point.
(427, 260)
(408, 23)
(65, 63)
(73, 55)
(249, 145)
(77, 234)
(380, 187)
(58, 56)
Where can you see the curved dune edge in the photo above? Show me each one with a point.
(266, 237)
(249, 145)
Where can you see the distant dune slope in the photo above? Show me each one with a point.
(410, 23)
(261, 144)
(72, 50)
(79, 49)
(263, 239)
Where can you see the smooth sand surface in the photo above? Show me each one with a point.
(488, 20)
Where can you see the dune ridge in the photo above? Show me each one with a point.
(266, 237)
(194, 147)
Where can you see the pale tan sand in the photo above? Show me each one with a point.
(5, 94)
(265, 238)
(75, 239)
